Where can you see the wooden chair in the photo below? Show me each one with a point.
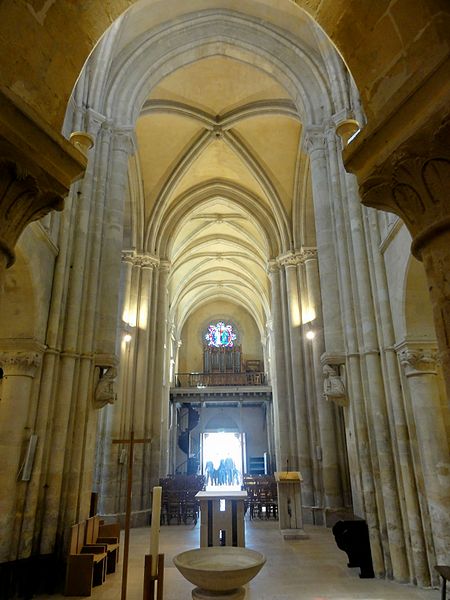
(190, 507)
(172, 506)
(86, 565)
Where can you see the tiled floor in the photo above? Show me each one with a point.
(312, 569)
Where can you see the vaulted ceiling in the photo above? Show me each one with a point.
(219, 151)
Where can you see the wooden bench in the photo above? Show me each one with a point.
(444, 572)
(86, 564)
(97, 533)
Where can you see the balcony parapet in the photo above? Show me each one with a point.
(203, 380)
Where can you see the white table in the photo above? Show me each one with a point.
(222, 518)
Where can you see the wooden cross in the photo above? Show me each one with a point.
(131, 443)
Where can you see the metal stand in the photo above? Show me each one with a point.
(153, 584)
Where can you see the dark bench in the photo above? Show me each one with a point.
(444, 572)
(86, 564)
(353, 538)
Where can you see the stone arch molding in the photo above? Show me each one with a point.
(161, 50)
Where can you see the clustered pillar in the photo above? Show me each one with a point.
(305, 424)
(143, 388)
(428, 412)
(16, 431)
(79, 358)
(363, 375)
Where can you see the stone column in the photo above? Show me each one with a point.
(83, 346)
(377, 409)
(279, 375)
(19, 370)
(135, 393)
(292, 458)
(112, 242)
(148, 265)
(430, 415)
(413, 184)
(340, 323)
(304, 433)
(332, 483)
(159, 387)
(414, 522)
(315, 145)
(117, 424)
(173, 437)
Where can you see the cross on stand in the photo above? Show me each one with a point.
(131, 443)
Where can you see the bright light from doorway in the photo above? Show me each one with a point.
(222, 461)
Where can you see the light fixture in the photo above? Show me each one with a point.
(310, 334)
(127, 338)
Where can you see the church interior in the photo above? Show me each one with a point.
(225, 233)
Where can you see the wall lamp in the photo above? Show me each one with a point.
(310, 333)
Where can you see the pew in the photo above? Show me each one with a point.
(86, 564)
(96, 534)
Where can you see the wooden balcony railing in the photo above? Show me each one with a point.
(199, 380)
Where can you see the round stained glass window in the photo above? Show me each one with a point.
(220, 335)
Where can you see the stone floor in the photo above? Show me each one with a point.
(312, 569)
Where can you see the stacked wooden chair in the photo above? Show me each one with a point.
(262, 500)
(179, 504)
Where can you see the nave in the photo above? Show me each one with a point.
(311, 569)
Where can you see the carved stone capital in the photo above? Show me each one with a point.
(418, 361)
(290, 259)
(272, 267)
(94, 121)
(314, 139)
(128, 256)
(308, 253)
(297, 257)
(37, 167)
(21, 202)
(123, 140)
(20, 363)
(413, 184)
(147, 261)
(164, 266)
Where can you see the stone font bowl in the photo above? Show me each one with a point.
(220, 568)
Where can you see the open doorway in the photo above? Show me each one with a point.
(222, 460)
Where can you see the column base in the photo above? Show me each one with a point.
(200, 594)
(294, 534)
